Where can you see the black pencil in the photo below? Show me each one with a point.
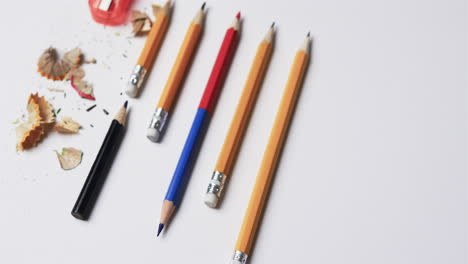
(96, 177)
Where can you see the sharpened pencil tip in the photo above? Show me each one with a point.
(238, 15)
(203, 6)
(273, 24)
(160, 228)
(125, 104)
(308, 34)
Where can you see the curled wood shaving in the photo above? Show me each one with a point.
(77, 73)
(83, 88)
(70, 158)
(67, 126)
(54, 68)
(141, 23)
(41, 117)
(46, 111)
(51, 67)
(29, 133)
(73, 57)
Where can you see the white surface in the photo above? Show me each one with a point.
(374, 169)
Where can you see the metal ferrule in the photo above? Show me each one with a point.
(216, 183)
(159, 120)
(239, 257)
(138, 76)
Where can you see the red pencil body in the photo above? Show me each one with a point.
(220, 69)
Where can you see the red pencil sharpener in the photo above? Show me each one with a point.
(110, 12)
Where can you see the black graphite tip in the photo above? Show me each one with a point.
(203, 6)
(160, 228)
(125, 104)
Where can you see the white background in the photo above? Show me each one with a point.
(374, 169)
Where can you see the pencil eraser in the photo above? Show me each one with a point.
(131, 90)
(211, 200)
(153, 134)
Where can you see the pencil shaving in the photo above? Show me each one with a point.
(67, 126)
(70, 158)
(73, 57)
(78, 74)
(40, 118)
(46, 111)
(28, 133)
(83, 88)
(51, 67)
(67, 68)
(141, 23)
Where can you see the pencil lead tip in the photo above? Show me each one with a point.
(238, 15)
(203, 6)
(160, 228)
(273, 24)
(308, 34)
(125, 104)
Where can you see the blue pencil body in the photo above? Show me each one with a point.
(187, 157)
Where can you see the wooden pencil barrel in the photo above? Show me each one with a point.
(256, 205)
(153, 41)
(244, 108)
(180, 66)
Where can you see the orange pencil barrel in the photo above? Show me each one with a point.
(176, 77)
(244, 108)
(180, 66)
(271, 156)
(154, 40)
(240, 120)
(148, 54)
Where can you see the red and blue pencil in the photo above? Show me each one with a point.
(195, 137)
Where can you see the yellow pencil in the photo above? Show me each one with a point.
(270, 158)
(150, 50)
(240, 120)
(177, 75)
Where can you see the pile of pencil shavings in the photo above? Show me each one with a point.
(54, 68)
(41, 119)
(68, 68)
